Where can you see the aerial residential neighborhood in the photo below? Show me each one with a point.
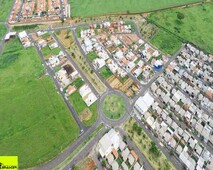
(106, 85)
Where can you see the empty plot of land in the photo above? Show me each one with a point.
(36, 124)
(194, 24)
(87, 8)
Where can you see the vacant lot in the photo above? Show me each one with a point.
(166, 42)
(105, 72)
(87, 8)
(195, 26)
(5, 6)
(114, 106)
(35, 123)
(81, 108)
(144, 143)
(47, 52)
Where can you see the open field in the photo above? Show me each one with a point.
(87, 8)
(3, 31)
(5, 7)
(80, 107)
(113, 106)
(35, 122)
(143, 142)
(195, 27)
(166, 42)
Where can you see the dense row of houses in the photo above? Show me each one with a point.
(177, 114)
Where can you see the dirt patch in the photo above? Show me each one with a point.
(128, 39)
(87, 164)
(85, 115)
(65, 37)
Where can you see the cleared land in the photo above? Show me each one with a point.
(35, 123)
(156, 159)
(195, 27)
(5, 6)
(87, 8)
(166, 42)
(113, 106)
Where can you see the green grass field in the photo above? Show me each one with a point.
(113, 106)
(5, 6)
(78, 83)
(3, 31)
(105, 72)
(87, 8)
(47, 52)
(166, 42)
(36, 124)
(196, 27)
(92, 56)
(79, 105)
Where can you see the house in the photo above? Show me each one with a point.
(135, 156)
(115, 165)
(110, 159)
(143, 103)
(115, 153)
(124, 166)
(131, 159)
(90, 99)
(137, 166)
(125, 154)
(122, 145)
(8, 35)
(70, 90)
(109, 141)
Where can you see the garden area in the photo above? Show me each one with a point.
(147, 147)
(113, 106)
(33, 114)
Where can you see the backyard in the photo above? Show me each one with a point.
(88, 8)
(113, 106)
(34, 119)
(147, 147)
(194, 24)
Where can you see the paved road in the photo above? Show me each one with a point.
(86, 150)
(76, 67)
(51, 73)
(91, 66)
(141, 157)
(107, 121)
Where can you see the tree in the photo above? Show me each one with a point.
(103, 163)
(154, 149)
(135, 126)
(180, 16)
